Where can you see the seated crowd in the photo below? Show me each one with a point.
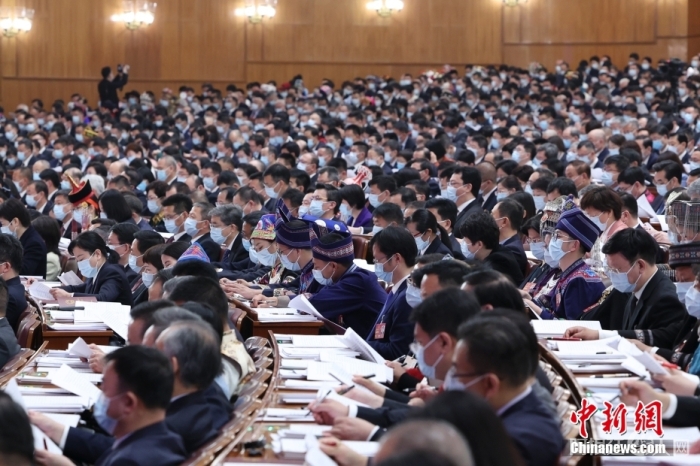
(488, 196)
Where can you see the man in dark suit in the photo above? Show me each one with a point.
(10, 265)
(190, 415)
(480, 234)
(506, 381)
(445, 212)
(175, 212)
(136, 391)
(488, 186)
(38, 197)
(463, 190)
(644, 304)
(8, 340)
(509, 216)
(226, 226)
(394, 248)
(676, 411)
(119, 240)
(198, 225)
(406, 142)
(15, 220)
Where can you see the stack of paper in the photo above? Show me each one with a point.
(293, 384)
(39, 290)
(557, 328)
(297, 398)
(56, 404)
(293, 352)
(70, 278)
(295, 449)
(282, 315)
(300, 431)
(286, 415)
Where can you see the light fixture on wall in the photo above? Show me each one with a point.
(514, 2)
(14, 20)
(136, 14)
(257, 10)
(385, 8)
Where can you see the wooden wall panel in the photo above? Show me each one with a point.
(193, 41)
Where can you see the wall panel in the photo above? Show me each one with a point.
(193, 41)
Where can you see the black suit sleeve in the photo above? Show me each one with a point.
(666, 319)
(4, 353)
(687, 412)
(384, 417)
(33, 260)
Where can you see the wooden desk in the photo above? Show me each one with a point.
(252, 327)
(60, 339)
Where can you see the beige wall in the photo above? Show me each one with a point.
(193, 41)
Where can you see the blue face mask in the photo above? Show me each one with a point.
(555, 249)
(413, 297)
(657, 144)
(266, 258)
(381, 273)
(65, 185)
(217, 236)
(500, 196)
(451, 383)
(99, 412)
(426, 369)
(86, 269)
(133, 263)
(288, 264)
(318, 276)
(161, 175)
(620, 280)
(537, 250)
(253, 254)
(466, 252)
(246, 244)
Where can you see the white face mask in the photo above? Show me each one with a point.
(682, 289)
(692, 302)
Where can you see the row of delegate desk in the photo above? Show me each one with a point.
(263, 390)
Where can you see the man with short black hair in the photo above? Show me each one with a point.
(394, 250)
(445, 212)
(439, 275)
(8, 340)
(15, 221)
(175, 211)
(480, 233)
(143, 241)
(463, 190)
(509, 217)
(644, 304)
(119, 240)
(226, 225)
(275, 182)
(497, 358)
(10, 265)
(136, 390)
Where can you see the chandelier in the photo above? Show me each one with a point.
(385, 8)
(257, 10)
(136, 13)
(514, 2)
(14, 20)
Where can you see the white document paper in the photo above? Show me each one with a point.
(75, 382)
(651, 364)
(355, 342)
(80, 348)
(318, 341)
(354, 366)
(40, 291)
(301, 303)
(70, 278)
(557, 328)
(116, 323)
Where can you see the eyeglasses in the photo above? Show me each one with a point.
(386, 259)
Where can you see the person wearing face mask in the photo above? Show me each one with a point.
(210, 174)
(175, 212)
(633, 181)
(604, 207)
(11, 256)
(644, 304)
(507, 381)
(16, 221)
(249, 269)
(667, 177)
(325, 202)
(429, 236)
(166, 169)
(480, 243)
(226, 223)
(353, 210)
(137, 387)
(264, 251)
(198, 226)
(394, 251)
(155, 194)
(106, 279)
(577, 287)
(380, 189)
(509, 215)
(463, 190)
(119, 240)
(143, 242)
(349, 296)
(434, 332)
(275, 181)
(538, 229)
(295, 254)
(37, 197)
